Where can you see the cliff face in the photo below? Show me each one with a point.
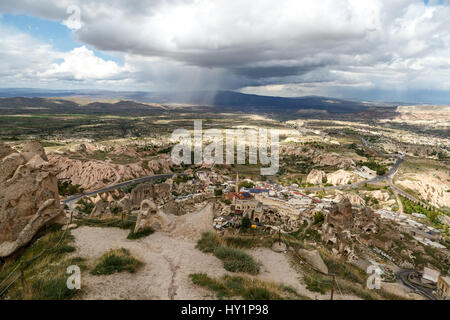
(341, 177)
(315, 176)
(28, 195)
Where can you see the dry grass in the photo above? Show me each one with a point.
(45, 263)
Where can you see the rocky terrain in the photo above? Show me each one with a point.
(95, 174)
(28, 195)
(342, 177)
(431, 187)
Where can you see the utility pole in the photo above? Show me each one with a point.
(332, 286)
(279, 236)
(122, 220)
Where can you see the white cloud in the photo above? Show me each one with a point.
(25, 61)
(22, 57)
(82, 64)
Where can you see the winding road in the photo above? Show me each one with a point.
(75, 198)
(403, 276)
(388, 177)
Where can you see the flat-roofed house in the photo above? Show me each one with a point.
(430, 275)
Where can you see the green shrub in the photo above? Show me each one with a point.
(208, 242)
(257, 293)
(317, 284)
(236, 260)
(128, 223)
(240, 242)
(245, 222)
(117, 260)
(318, 218)
(202, 279)
(141, 234)
(62, 249)
(246, 184)
(235, 284)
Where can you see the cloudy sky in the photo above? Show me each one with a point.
(372, 49)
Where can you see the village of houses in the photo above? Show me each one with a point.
(357, 234)
(276, 208)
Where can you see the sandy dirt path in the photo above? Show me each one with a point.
(165, 274)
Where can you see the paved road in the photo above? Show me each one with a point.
(116, 186)
(403, 276)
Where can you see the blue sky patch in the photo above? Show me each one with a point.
(51, 32)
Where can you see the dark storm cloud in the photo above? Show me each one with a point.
(274, 71)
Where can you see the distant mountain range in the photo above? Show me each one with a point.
(36, 101)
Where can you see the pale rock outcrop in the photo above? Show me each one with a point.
(5, 150)
(161, 165)
(89, 148)
(194, 223)
(101, 209)
(316, 176)
(90, 175)
(334, 159)
(150, 217)
(380, 195)
(132, 170)
(78, 148)
(341, 222)
(158, 192)
(354, 198)
(341, 177)
(314, 259)
(69, 227)
(175, 208)
(33, 148)
(29, 197)
(9, 164)
(431, 187)
(125, 203)
(98, 198)
(94, 174)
